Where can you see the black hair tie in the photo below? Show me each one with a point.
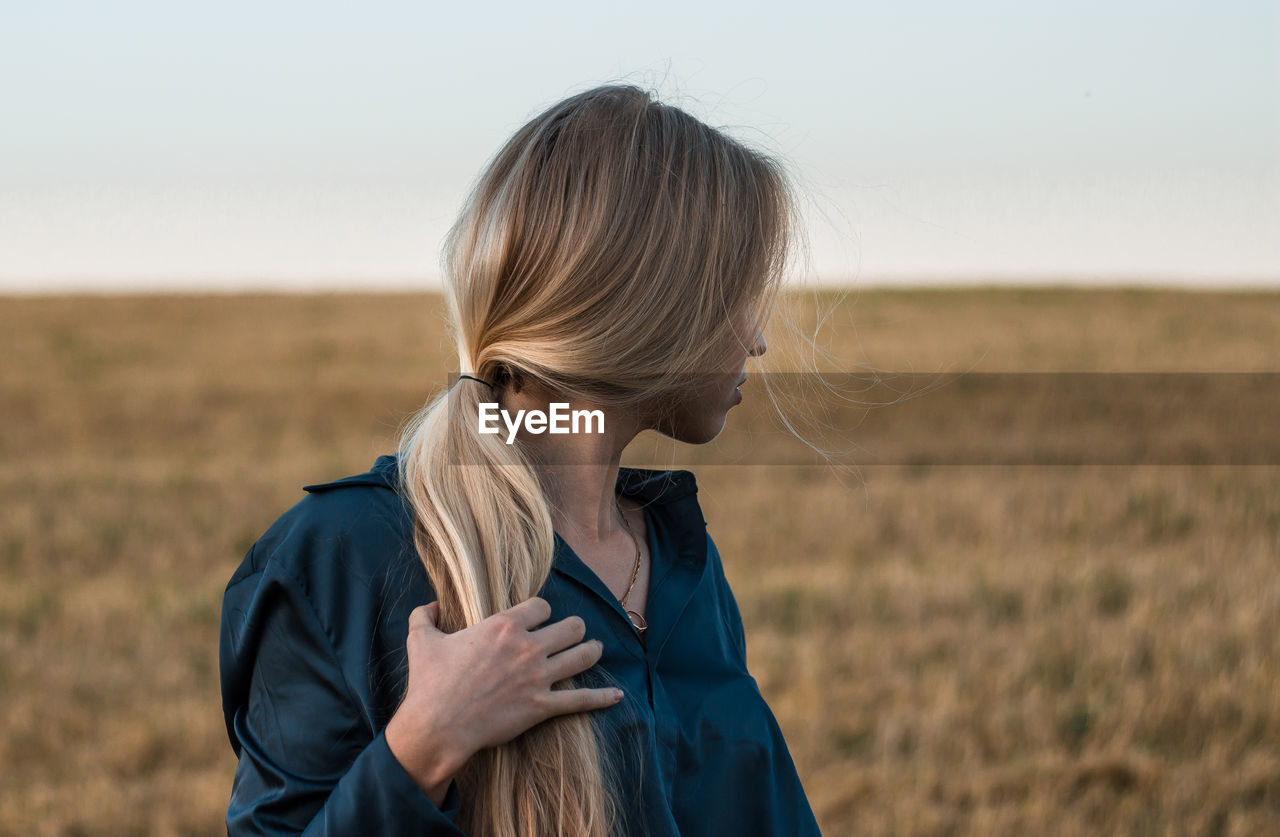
(486, 383)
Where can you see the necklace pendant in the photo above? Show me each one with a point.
(637, 621)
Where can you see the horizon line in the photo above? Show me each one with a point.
(284, 286)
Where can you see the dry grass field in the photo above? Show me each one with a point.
(994, 649)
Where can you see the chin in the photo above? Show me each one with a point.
(696, 418)
(697, 432)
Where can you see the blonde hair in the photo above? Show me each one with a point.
(601, 252)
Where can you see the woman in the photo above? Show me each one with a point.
(437, 646)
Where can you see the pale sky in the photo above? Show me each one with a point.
(274, 144)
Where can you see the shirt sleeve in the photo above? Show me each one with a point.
(310, 761)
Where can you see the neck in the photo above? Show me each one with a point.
(578, 471)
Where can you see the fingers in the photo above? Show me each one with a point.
(530, 613)
(560, 635)
(575, 660)
(566, 701)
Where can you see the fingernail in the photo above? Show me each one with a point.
(617, 694)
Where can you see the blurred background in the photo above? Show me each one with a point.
(219, 240)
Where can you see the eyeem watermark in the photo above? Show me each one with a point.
(559, 420)
(956, 419)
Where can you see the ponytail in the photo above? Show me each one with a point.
(484, 533)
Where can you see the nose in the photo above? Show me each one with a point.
(759, 347)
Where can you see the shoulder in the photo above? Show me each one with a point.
(726, 601)
(331, 582)
(341, 559)
(347, 531)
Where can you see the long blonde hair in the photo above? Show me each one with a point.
(601, 252)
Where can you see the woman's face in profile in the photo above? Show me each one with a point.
(698, 414)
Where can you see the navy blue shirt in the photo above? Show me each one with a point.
(313, 665)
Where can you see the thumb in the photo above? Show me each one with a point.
(424, 616)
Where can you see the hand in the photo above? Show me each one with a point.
(485, 685)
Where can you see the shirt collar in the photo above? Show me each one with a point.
(644, 485)
(671, 503)
(672, 494)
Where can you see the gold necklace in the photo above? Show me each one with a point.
(637, 621)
